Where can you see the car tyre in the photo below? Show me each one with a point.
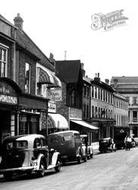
(58, 166)
(41, 169)
(79, 159)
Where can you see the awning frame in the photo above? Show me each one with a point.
(47, 77)
(85, 124)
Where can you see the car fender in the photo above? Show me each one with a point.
(38, 160)
(55, 158)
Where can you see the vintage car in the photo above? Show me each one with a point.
(69, 144)
(87, 146)
(28, 154)
(106, 144)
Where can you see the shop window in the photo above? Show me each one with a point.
(27, 77)
(3, 61)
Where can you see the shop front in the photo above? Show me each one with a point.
(19, 113)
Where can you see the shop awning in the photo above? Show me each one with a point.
(58, 120)
(46, 77)
(85, 124)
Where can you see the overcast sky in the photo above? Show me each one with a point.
(65, 25)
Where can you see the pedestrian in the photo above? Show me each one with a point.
(128, 142)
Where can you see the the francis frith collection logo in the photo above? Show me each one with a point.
(108, 21)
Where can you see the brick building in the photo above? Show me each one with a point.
(24, 72)
(75, 104)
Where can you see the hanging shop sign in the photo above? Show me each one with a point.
(56, 94)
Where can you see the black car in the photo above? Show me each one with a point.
(106, 144)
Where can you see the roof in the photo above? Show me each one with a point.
(87, 80)
(125, 82)
(6, 21)
(103, 85)
(125, 79)
(25, 42)
(68, 71)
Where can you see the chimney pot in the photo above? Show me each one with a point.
(18, 21)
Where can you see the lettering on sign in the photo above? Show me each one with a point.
(8, 99)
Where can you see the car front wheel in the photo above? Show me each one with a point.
(58, 166)
(41, 169)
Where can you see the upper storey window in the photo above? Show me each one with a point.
(3, 60)
(27, 77)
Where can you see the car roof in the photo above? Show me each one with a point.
(67, 131)
(28, 137)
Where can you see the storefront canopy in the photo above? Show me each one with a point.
(58, 120)
(85, 124)
(46, 77)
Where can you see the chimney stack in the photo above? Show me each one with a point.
(107, 81)
(18, 21)
(97, 77)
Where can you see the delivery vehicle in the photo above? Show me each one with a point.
(87, 146)
(69, 144)
(107, 144)
(28, 154)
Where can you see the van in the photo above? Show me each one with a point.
(69, 144)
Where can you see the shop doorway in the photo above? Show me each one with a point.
(5, 118)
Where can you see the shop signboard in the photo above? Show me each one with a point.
(7, 94)
(51, 107)
(56, 94)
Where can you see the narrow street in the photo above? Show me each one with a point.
(115, 171)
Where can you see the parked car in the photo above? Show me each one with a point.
(107, 144)
(87, 146)
(136, 141)
(133, 142)
(119, 140)
(28, 154)
(69, 144)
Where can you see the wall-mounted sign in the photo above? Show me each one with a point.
(8, 99)
(7, 93)
(51, 107)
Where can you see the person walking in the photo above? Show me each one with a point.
(128, 142)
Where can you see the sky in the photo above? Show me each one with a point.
(59, 26)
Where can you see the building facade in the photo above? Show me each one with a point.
(102, 107)
(128, 87)
(75, 104)
(23, 107)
